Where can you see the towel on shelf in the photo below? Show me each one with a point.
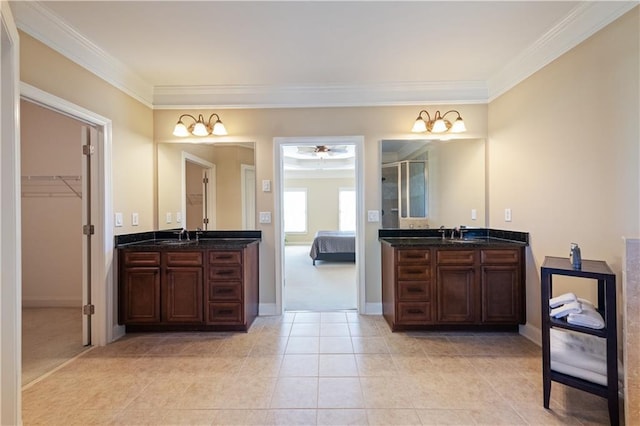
(563, 299)
(566, 309)
(588, 317)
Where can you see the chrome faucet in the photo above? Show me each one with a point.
(442, 231)
(184, 232)
(453, 232)
(198, 233)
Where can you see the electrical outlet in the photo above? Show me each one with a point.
(474, 214)
(119, 220)
(373, 216)
(266, 185)
(178, 217)
(169, 219)
(507, 215)
(265, 217)
(135, 219)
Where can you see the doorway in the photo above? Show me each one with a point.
(199, 192)
(318, 184)
(55, 204)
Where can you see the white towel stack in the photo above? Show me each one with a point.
(577, 311)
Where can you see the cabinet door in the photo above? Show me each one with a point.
(501, 294)
(457, 295)
(140, 298)
(182, 293)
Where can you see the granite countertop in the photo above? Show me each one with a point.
(168, 240)
(447, 242)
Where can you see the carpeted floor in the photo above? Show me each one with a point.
(328, 286)
(50, 337)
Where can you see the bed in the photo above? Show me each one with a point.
(334, 246)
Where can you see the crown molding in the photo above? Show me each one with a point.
(384, 94)
(46, 27)
(584, 20)
(581, 23)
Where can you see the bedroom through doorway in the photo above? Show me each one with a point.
(319, 224)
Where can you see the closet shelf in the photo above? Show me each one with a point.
(51, 186)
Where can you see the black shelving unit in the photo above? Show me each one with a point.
(600, 271)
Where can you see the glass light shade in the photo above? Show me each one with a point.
(219, 129)
(199, 129)
(439, 126)
(419, 126)
(458, 126)
(180, 130)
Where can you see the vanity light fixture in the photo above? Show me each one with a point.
(199, 127)
(438, 124)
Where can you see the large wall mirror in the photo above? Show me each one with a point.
(433, 183)
(209, 186)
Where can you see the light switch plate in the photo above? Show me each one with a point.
(507, 215)
(178, 217)
(135, 219)
(373, 216)
(474, 214)
(119, 220)
(265, 217)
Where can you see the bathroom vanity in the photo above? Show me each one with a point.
(437, 282)
(208, 284)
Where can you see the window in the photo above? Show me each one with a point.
(347, 209)
(294, 203)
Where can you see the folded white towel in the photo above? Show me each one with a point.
(566, 309)
(554, 302)
(589, 317)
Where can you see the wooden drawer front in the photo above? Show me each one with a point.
(225, 312)
(413, 256)
(413, 312)
(500, 256)
(413, 273)
(217, 257)
(225, 291)
(183, 258)
(456, 257)
(142, 258)
(413, 290)
(225, 273)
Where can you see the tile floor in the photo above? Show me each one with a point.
(333, 368)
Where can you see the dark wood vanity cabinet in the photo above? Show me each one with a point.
(182, 287)
(449, 286)
(140, 287)
(205, 289)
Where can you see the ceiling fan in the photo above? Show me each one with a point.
(322, 150)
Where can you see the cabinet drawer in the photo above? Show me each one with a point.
(183, 258)
(413, 273)
(413, 312)
(413, 290)
(500, 256)
(225, 312)
(225, 273)
(141, 258)
(225, 257)
(225, 291)
(456, 257)
(413, 256)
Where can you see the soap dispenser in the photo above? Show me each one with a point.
(575, 257)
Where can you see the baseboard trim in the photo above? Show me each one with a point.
(532, 333)
(51, 303)
(373, 308)
(267, 309)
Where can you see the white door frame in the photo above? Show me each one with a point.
(211, 196)
(10, 223)
(278, 143)
(104, 328)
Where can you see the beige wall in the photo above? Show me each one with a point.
(51, 212)
(322, 205)
(132, 128)
(373, 123)
(229, 161)
(564, 153)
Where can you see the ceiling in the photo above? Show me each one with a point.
(239, 54)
